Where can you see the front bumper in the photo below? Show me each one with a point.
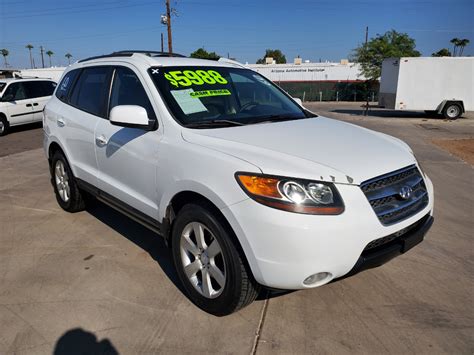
(284, 248)
(397, 244)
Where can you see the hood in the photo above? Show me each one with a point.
(316, 148)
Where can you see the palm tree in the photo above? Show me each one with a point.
(5, 54)
(68, 56)
(49, 54)
(455, 42)
(30, 47)
(463, 43)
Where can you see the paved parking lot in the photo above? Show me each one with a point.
(98, 280)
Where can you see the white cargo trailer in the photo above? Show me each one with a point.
(439, 85)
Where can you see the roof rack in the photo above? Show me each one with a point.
(129, 53)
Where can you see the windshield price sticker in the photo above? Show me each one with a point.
(206, 93)
(186, 78)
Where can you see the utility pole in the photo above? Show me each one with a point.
(168, 23)
(366, 81)
(42, 57)
(162, 49)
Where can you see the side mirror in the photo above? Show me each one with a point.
(130, 116)
(298, 101)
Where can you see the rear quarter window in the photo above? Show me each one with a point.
(65, 85)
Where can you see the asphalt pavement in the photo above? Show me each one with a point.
(100, 282)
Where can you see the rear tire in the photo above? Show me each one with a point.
(4, 126)
(452, 111)
(208, 262)
(67, 192)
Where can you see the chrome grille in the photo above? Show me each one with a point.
(383, 193)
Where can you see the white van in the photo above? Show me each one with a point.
(22, 101)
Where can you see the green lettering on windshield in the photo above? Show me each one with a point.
(186, 78)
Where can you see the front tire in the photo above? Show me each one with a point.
(67, 192)
(208, 262)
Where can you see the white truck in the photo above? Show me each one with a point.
(435, 85)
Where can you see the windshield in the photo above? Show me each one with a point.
(220, 96)
(2, 86)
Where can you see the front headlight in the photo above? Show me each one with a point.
(293, 195)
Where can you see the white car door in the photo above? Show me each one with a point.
(40, 92)
(127, 156)
(86, 107)
(18, 105)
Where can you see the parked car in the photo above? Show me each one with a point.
(247, 187)
(22, 101)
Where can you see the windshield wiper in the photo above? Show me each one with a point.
(213, 123)
(275, 118)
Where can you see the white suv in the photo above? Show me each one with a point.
(22, 101)
(247, 187)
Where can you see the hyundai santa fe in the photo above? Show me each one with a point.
(248, 188)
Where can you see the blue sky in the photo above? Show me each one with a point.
(313, 29)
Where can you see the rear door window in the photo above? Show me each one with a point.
(39, 88)
(91, 91)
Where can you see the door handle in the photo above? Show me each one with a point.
(101, 140)
(61, 122)
(29, 105)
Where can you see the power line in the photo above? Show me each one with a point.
(63, 12)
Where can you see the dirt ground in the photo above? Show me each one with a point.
(462, 148)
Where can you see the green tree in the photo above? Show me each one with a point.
(50, 54)
(30, 47)
(201, 53)
(390, 44)
(68, 56)
(276, 54)
(5, 54)
(463, 43)
(455, 42)
(442, 53)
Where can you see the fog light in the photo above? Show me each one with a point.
(318, 278)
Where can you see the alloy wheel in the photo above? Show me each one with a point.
(203, 260)
(62, 181)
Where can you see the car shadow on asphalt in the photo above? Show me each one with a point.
(152, 243)
(141, 236)
(79, 341)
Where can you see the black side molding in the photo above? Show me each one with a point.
(121, 207)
